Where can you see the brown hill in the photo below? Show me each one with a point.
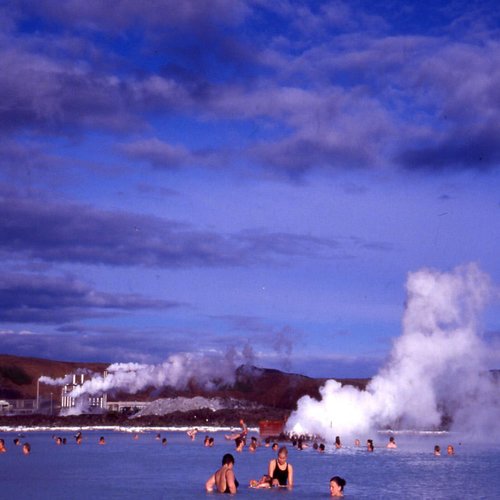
(19, 375)
(268, 387)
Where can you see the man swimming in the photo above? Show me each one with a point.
(192, 433)
(242, 434)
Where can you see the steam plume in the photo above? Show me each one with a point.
(178, 371)
(55, 381)
(435, 369)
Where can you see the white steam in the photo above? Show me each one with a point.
(207, 371)
(55, 381)
(435, 370)
(67, 379)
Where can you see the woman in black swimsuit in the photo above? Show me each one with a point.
(280, 470)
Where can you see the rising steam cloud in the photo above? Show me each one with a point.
(63, 380)
(208, 371)
(55, 381)
(435, 370)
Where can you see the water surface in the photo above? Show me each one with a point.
(126, 468)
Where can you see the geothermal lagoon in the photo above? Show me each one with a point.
(128, 468)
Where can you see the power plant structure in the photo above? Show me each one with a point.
(92, 402)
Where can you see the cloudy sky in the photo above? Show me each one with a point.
(248, 177)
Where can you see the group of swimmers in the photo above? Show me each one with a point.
(280, 472)
(59, 441)
(280, 475)
(449, 450)
(26, 447)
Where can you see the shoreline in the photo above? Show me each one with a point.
(182, 428)
(119, 428)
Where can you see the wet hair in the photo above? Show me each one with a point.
(322, 447)
(340, 481)
(27, 447)
(238, 441)
(283, 450)
(391, 439)
(227, 459)
(370, 444)
(337, 440)
(267, 440)
(315, 446)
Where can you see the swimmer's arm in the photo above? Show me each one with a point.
(209, 485)
(230, 481)
(272, 466)
(290, 475)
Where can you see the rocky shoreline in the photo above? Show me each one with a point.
(200, 417)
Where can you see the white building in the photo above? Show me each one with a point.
(92, 402)
(5, 406)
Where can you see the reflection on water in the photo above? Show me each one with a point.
(128, 468)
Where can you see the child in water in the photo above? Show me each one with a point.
(263, 482)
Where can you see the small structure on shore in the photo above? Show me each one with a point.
(271, 428)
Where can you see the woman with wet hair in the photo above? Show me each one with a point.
(369, 445)
(223, 480)
(280, 470)
(337, 486)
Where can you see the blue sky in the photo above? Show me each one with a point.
(241, 176)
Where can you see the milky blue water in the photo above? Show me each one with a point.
(131, 469)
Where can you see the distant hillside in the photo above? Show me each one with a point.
(268, 387)
(18, 375)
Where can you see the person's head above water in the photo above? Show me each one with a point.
(337, 486)
(282, 454)
(228, 459)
